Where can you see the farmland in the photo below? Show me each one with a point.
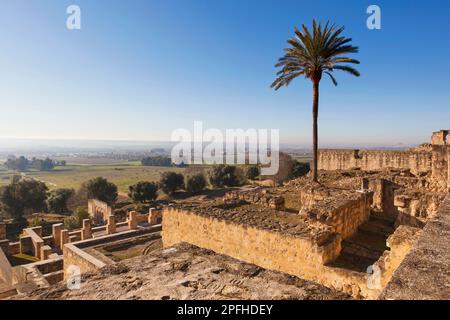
(122, 173)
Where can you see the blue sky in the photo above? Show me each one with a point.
(137, 70)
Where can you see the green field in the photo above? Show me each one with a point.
(123, 174)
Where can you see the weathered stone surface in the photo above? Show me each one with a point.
(425, 272)
(187, 272)
(261, 197)
(259, 217)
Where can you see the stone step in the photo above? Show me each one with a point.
(362, 250)
(383, 217)
(352, 262)
(377, 227)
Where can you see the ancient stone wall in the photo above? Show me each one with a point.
(440, 166)
(423, 274)
(400, 243)
(257, 197)
(383, 196)
(440, 138)
(418, 162)
(277, 251)
(434, 158)
(74, 256)
(2, 231)
(99, 210)
(6, 271)
(343, 211)
(271, 250)
(36, 241)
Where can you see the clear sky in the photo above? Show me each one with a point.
(137, 70)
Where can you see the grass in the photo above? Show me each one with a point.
(122, 173)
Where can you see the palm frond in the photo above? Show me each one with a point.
(315, 51)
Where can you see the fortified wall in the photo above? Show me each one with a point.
(432, 159)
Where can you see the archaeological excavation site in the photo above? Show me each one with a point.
(375, 226)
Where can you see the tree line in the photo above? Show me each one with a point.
(22, 163)
(25, 195)
(157, 161)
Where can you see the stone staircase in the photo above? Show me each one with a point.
(367, 245)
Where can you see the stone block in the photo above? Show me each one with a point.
(86, 230)
(111, 225)
(132, 220)
(64, 237)
(56, 233)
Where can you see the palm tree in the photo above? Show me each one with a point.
(312, 55)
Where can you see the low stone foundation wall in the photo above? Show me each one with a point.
(297, 256)
(344, 212)
(257, 197)
(272, 250)
(74, 256)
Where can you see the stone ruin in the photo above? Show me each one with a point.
(361, 232)
(99, 211)
(257, 197)
(433, 161)
(367, 219)
(55, 253)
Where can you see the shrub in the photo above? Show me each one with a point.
(36, 222)
(75, 221)
(253, 172)
(196, 183)
(101, 189)
(57, 200)
(22, 195)
(300, 169)
(171, 182)
(143, 192)
(225, 176)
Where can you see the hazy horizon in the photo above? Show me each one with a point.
(138, 72)
(65, 145)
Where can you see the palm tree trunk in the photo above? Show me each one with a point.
(315, 130)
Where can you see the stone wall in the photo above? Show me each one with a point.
(257, 197)
(434, 158)
(440, 173)
(400, 243)
(37, 242)
(383, 196)
(343, 211)
(424, 273)
(6, 270)
(440, 138)
(417, 161)
(2, 231)
(74, 256)
(271, 250)
(280, 252)
(99, 210)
